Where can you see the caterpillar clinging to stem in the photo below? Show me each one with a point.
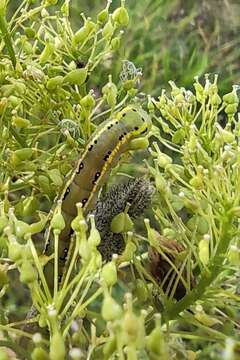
(112, 138)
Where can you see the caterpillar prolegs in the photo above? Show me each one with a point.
(112, 138)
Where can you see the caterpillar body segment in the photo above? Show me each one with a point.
(101, 154)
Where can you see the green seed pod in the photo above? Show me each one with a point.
(3, 222)
(44, 183)
(54, 82)
(179, 99)
(139, 144)
(14, 101)
(111, 310)
(57, 347)
(109, 273)
(121, 223)
(128, 252)
(109, 347)
(110, 92)
(120, 15)
(129, 84)
(7, 90)
(76, 76)
(3, 276)
(15, 251)
(38, 226)
(88, 101)
(30, 205)
(27, 273)
(51, 2)
(234, 255)
(155, 340)
(163, 160)
(81, 35)
(231, 98)
(42, 322)
(102, 16)
(231, 109)
(58, 222)
(21, 229)
(215, 100)
(39, 354)
(23, 154)
(115, 43)
(160, 183)
(56, 177)
(108, 30)
(203, 251)
(141, 290)
(130, 326)
(132, 92)
(227, 136)
(94, 236)
(169, 233)
(203, 225)
(30, 32)
(84, 249)
(20, 122)
(47, 53)
(4, 354)
(196, 182)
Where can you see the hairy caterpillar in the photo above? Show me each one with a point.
(103, 150)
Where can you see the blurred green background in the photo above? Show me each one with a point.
(173, 39)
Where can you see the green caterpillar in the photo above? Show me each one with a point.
(112, 138)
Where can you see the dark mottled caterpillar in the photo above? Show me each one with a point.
(112, 138)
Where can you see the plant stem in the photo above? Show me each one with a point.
(208, 276)
(6, 35)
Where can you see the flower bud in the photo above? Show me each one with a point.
(111, 310)
(57, 347)
(76, 76)
(56, 177)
